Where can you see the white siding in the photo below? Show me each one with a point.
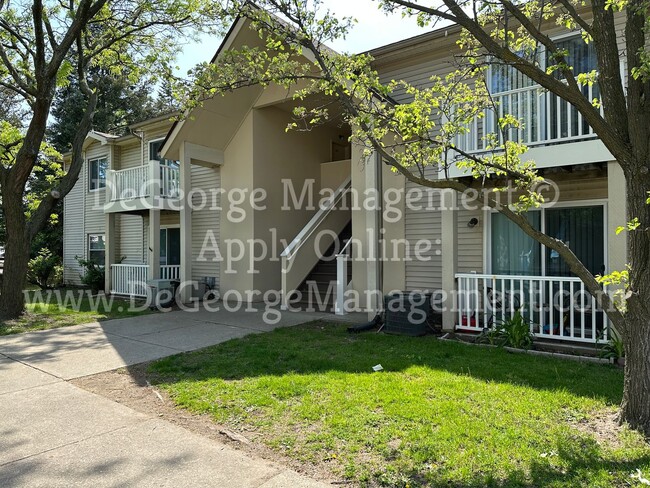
(95, 200)
(73, 230)
(203, 221)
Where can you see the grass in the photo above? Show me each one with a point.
(62, 308)
(439, 414)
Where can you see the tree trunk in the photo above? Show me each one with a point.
(12, 299)
(635, 409)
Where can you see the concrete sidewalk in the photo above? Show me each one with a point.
(55, 434)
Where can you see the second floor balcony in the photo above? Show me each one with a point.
(153, 185)
(545, 118)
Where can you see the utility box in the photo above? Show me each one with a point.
(408, 314)
(161, 293)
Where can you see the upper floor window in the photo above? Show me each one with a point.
(97, 169)
(581, 56)
(154, 153)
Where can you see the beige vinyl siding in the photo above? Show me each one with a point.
(130, 230)
(205, 220)
(581, 185)
(470, 241)
(73, 230)
(425, 272)
(170, 218)
(130, 156)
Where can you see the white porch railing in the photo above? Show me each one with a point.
(129, 279)
(545, 117)
(305, 250)
(144, 181)
(556, 307)
(342, 278)
(170, 272)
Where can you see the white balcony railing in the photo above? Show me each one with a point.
(144, 181)
(545, 119)
(556, 307)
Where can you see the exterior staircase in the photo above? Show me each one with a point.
(318, 291)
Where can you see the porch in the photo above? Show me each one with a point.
(131, 279)
(557, 308)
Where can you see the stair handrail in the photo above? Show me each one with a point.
(317, 219)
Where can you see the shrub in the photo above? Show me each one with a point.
(93, 276)
(45, 270)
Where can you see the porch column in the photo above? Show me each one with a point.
(154, 244)
(449, 252)
(110, 238)
(186, 223)
(616, 216)
(372, 172)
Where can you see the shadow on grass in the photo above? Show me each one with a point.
(456, 433)
(63, 307)
(320, 347)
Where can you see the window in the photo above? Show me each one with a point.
(513, 251)
(97, 169)
(580, 227)
(170, 246)
(96, 248)
(154, 154)
(581, 56)
(583, 230)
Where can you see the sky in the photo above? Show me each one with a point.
(373, 29)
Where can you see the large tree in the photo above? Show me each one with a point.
(422, 133)
(42, 43)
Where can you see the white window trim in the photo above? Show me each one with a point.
(88, 169)
(88, 235)
(487, 230)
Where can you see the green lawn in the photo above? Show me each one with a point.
(62, 310)
(440, 413)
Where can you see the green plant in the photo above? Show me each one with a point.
(513, 332)
(45, 270)
(613, 348)
(93, 277)
(493, 336)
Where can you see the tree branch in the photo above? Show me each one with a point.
(617, 146)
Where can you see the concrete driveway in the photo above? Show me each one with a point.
(55, 434)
